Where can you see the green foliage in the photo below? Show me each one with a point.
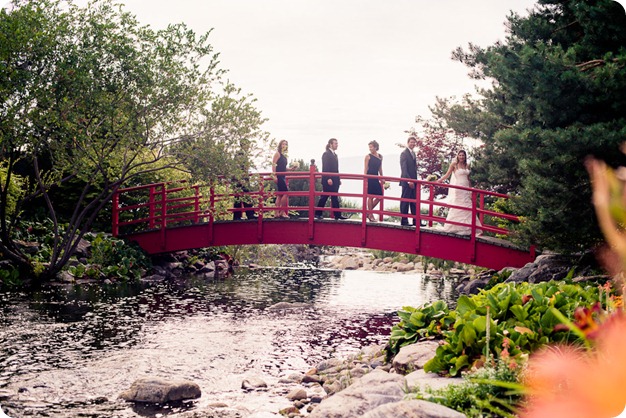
(558, 95)
(14, 188)
(92, 99)
(416, 323)
(113, 258)
(519, 313)
(497, 278)
(262, 255)
(437, 263)
(10, 277)
(488, 392)
(381, 254)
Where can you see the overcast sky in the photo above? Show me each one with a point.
(355, 70)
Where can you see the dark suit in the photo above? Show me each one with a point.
(330, 164)
(242, 202)
(408, 169)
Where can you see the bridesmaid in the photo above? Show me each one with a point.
(373, 166)
(279, 165)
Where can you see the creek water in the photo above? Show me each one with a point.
(69, 351)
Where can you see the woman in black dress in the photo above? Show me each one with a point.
(373, 166)
(280, 166)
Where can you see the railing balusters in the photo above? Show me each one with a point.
(159, 217)
(312, 170)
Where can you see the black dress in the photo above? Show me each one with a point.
(373, 167)
(281, 167)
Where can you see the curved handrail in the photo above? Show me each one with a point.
(160, 206)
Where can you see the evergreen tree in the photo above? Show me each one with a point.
(558, 94)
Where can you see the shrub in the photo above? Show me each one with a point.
(519, 313)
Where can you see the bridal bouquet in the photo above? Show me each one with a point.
(294, 166)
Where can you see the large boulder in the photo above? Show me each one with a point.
(413, 357)
(372, 390)
(422, 380)
(546, 267)
(155, 390)
(413, 409)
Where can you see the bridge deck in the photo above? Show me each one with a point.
(168, 217)
(488, 252)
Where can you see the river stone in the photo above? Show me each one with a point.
(349, 262)
(413, 409)
(297, 395)
(324, 365)
(413, 357)
(214, 413)
(252, 383)
(421, 380)
(155, 390)
(372, 390)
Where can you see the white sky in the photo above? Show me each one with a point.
(356, 70)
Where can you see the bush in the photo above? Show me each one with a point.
(523, 314)
(485, 392)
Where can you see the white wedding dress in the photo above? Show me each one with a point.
(457, 197)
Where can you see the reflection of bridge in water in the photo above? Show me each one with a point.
(166, 217)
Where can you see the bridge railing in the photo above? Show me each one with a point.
(162, 205)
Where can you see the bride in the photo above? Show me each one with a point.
(460, 171)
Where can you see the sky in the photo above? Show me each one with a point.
(355, 70)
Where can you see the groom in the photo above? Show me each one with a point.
(408, 170)
(330, 182)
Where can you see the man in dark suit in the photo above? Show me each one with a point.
(408, 170)
(330, 164)
(240, 184)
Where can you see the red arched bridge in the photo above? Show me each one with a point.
(167, 217)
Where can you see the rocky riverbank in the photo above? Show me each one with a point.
(365, 385)
(361, 385)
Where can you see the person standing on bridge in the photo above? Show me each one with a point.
(374, 166)
(330, 183)
(279, 167)
(408, 170)
(241, 184)
(459, 172)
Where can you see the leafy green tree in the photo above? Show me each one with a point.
(92, 97)
(557, 95)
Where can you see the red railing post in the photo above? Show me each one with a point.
(312, 170)
(115, 213)
(259, 229)
(431, 210)
(163, 213)
(365, 212)
(473, 229)
(196, 207)
(482, 207)
(151, 211)
(211, 212)
(418, 214)
(381, 217)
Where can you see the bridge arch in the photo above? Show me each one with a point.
(168, 217)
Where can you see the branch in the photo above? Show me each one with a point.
(589, 65)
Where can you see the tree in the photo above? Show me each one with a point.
(90, 96)
(558, 94)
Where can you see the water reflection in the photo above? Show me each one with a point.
(71, 350)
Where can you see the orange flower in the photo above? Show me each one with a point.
(568, 382)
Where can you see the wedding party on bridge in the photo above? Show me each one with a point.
(312, 208)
